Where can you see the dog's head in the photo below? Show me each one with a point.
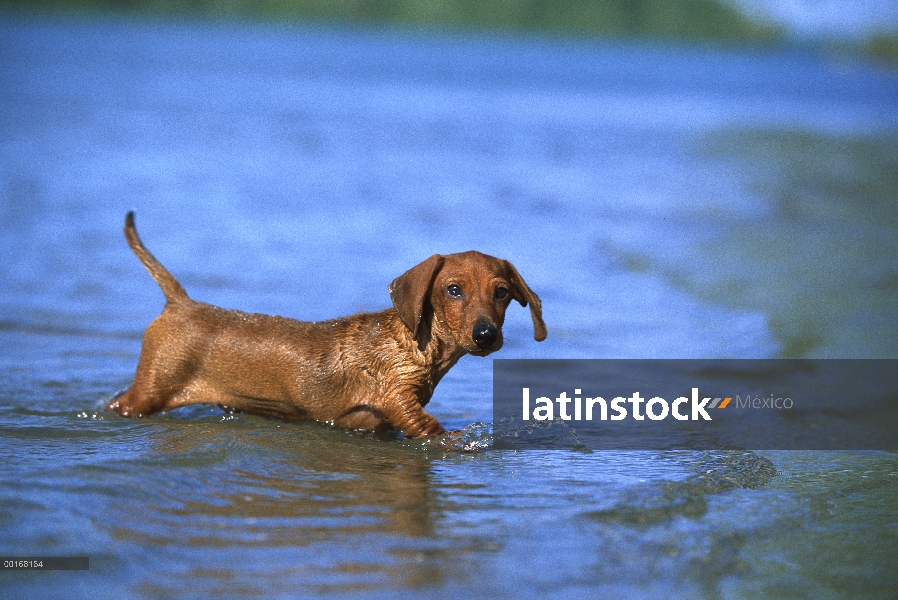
(467, 294)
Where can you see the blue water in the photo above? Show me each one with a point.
(663, 201)
(827, 19)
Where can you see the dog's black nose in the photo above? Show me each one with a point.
(485, 335)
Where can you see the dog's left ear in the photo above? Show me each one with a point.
(411, 290)
(521, 292)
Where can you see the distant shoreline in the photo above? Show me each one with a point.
(698, 20)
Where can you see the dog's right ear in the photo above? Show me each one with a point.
(411, 290)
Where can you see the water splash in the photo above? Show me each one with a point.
(473, 438)
(551, 434)
(84, 415)
(479, 436)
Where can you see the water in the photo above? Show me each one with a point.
(663, 201)
(833, 19)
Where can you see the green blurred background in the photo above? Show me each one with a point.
(719, 21)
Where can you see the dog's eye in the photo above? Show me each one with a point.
(454, 291)
(501, 292)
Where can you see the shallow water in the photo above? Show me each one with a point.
(663, 201)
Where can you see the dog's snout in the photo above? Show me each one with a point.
(485, 335)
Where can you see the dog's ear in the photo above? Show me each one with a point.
(521, 292)
(411, 290)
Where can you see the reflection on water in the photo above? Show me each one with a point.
(663, 201)
(266, 495)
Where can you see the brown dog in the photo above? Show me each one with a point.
(369, 371)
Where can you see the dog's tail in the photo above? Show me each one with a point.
(170, 286)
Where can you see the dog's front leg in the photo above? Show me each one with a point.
(408, 416)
